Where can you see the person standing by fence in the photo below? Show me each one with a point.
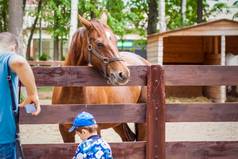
(13, 66)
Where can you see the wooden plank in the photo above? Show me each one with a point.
(183, 57)
(210, 112)
(231, 45)
(200, 75)
(183, 41)
(183, 47)
(155, 113)
(209, 32)
(202, 150)
(128, 150)
(115, 113)
(82, 76)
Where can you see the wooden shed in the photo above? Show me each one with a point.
(202, 44)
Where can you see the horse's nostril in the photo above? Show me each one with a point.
(121, 75)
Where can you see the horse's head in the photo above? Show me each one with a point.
(96, 44)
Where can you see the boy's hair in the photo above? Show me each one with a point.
(8, 39)
(91, 129)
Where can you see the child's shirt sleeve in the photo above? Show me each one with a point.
(78, 154)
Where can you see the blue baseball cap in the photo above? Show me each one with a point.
(81, 120)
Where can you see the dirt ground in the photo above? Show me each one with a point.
(190, 131)
(222, 131)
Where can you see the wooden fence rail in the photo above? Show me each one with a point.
(200, 75)
(125, 150)
(210, 112)
(175, 75)
(116, 113)
(136, 150)
(82, 76)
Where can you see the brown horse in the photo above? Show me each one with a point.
(95, 44)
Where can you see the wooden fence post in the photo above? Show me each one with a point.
(155, 115)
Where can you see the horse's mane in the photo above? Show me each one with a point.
(78, 47)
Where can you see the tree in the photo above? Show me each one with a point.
(15, 10)
(116, 19)
(183, 11)
(3, 15)
(235, 5)
(199, 11)
(152, 16)
(57, 16)
(162, 15)
(33, 27)
(137, 16)
(173, 12)
(73, 18)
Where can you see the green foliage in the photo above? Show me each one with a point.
(57, 16)
(125, 17)
(219, 7)
(235, 5)
(116, 16)
(44, 57)
(87, 7)
(174, 17)
(172, 8)
(62, 58)
(136, 16)
(140, 44)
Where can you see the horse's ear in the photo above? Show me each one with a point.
(85, 22)
(103, 18)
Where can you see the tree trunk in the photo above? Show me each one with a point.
(183, 11)
(56, 37)
(3, 15)
(15, 10)
(56, 48)
(61, 49)
(162, 23)
(199, 11)
(24, 6)
(152, 16)
(28, 52)
(73, 19)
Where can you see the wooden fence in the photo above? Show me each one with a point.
(201, 75)
(153, 112)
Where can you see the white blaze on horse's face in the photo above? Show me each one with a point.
(118, 72)
(108, 35)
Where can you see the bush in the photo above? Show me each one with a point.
(44, 57)
(62, 58)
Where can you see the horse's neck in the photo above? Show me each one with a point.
(77, 54)
(72, 95)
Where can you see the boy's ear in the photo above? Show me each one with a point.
(84, 131)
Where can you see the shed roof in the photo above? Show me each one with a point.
(211, 28)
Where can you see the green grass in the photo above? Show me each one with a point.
(45, 89)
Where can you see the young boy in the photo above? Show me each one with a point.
(92, 146)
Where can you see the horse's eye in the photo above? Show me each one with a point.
(100, 45)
